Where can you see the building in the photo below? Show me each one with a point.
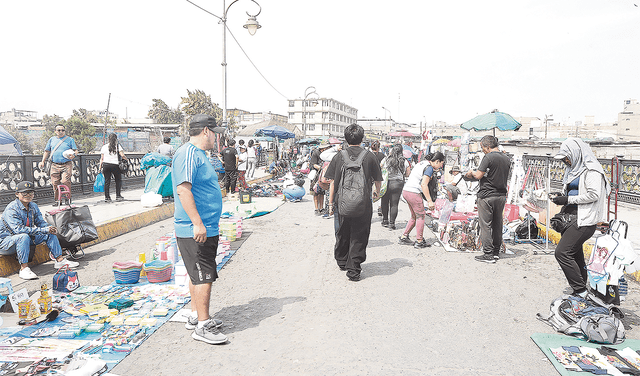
(21, 119)
(245, 118)
(629, 121)
(321, 117)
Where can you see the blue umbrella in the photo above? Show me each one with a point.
(492, 120)
(307, 141)
(275, 131)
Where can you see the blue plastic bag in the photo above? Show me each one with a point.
(158, 180)
(217, 164)
(98, 186)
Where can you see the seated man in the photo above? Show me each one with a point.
(22, 225)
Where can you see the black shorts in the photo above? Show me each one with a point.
(200, 259)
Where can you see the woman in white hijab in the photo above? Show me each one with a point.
(585, 191)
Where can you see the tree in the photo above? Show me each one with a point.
(197, 102)
(82, 132)
(22, 138)
(49, 123)
(163, 114)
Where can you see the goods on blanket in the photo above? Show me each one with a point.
(604, 360)
(158, 271)
(462, 236)
(44, 301)
(126, 272)
(585, 319)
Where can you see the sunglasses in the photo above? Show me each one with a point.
(27, 193)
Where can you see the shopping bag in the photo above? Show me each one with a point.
(65, 280)
(75, 225)
(604, 248)
(98, 186)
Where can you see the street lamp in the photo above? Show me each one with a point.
(307, 92)
(547, 118)
(252, 26)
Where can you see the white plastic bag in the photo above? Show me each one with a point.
(150, 199)
(312, 174)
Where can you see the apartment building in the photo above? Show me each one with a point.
(321, 117)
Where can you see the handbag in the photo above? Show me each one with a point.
(75, 225)
(122, 163)
(562, 221)
(65, 280)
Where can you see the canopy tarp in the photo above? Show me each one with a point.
(492, 120)
(8, 144)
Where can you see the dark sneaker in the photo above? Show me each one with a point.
(342, 267)
(317, 212)
(486, 258)
(354, 278)
(385, 223)
(405, 240)
(192, 322)
(209, 334)
(120, 198)
(421, 244)
(392, 226)
(107, 200)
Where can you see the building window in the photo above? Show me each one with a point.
(292, 103)
(312, 127)
(310, 115)
(325, 127)
(291, 115)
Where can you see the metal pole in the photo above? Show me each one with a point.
(106, 117)
(224, 64)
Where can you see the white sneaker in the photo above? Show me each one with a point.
(60, 264)
(26, 273)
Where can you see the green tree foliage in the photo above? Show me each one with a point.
(82, 132)
(198, 102)
(78, 127)
(22, 138)
(161, 113)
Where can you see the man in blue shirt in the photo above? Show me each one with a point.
(61, 165)
(22, 226)
(198, 205)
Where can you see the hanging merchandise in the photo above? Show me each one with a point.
(611, 257)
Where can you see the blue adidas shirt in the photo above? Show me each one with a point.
(191, 164)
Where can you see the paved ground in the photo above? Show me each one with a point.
(288, 309)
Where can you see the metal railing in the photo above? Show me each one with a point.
(628, 189)
(15, 169)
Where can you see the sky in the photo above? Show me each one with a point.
(424, 61)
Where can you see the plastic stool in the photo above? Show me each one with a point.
(63, 191)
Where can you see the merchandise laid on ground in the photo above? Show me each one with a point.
(98, 326)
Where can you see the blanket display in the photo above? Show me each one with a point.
(106, 323)
(571, 356)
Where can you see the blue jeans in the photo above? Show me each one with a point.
(21, 243)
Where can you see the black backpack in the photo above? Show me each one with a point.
(352, 190)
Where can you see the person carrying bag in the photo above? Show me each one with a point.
(113, 162)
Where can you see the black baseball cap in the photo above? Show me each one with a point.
(25, 186)
(202, 121)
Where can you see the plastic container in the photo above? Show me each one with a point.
(158, 271)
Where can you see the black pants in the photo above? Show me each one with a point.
(352, 237)
(391, 199)
(230, 178)
(109, 169)
(570, 256)
(490, 222)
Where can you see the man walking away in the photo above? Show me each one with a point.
(352, 232)
(493, 174)
(166, 148)
(198, 205)
(230, 160)
(61, 165)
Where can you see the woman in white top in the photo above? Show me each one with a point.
(109, 165)
(242, 168)
(251, 159)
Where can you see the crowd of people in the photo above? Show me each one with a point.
(345, 180)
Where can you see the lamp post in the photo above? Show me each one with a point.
(307, 92)
(251, 25)
(547, 118)
(385, 121)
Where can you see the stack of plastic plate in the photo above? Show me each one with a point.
(126, 272)
(158, 270)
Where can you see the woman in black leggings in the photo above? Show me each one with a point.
(109, 164)
(584, 195)
(397, 167)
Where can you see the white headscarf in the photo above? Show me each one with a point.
(582, 158)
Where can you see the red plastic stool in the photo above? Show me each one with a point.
(63, 191)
